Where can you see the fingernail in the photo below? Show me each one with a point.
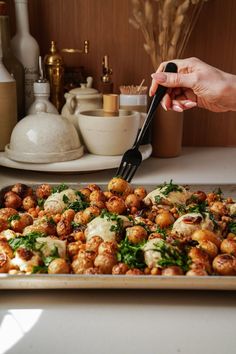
(177, 108)
(190, 104)
(160, 77)
(164, 106)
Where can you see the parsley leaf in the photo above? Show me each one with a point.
(171, 255)
(77, 205)
(40, 202)
(157, 199)
(65, 199)
(41, 269)
(198, 208)
(75, 225)
(166, 188)
(131, 254)
(59, 188)
(81, 195)
(232, 227)
(54, 254)
(28, 241)
(13, 217)
(119, 226)
(46, 260)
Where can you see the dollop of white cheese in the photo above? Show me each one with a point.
(175, 197)
(23, 265)
(55, 203)
(47, 246)
(186, 224)
(8, 234)
(232, 209)
(151, 256)
(101, 226)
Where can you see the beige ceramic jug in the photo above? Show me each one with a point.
(81, 99)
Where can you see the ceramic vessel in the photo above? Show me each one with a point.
(44, 138)
(80, 99)
(105, 135)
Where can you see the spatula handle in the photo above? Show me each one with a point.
(160, 93)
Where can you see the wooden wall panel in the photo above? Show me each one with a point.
(105, 24)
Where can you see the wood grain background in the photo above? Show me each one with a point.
(105, 24)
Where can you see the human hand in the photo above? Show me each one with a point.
(195, 84)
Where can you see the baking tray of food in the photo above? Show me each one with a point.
(118, 236)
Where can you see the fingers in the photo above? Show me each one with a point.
(178, 105)
(182, 105)
(175, 79)
(184, 78)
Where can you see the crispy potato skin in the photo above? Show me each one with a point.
(225, 264)
(136, 234)
(58, 266)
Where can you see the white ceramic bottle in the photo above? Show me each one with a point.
(41, 95)
(8, 104)
(26, 49)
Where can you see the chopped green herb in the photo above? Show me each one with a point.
(13, 217)
(59, 188)
(198, 208)
(166, 188)
(65, 199)
(162, 232)
(81, 195)
(119, 227)
(40, 202)
(171, 255)
(51, 221)
(77, 205)
(211, 216)
(232, 227)
(219, 192)
(41, 269)
(54, 254)
(75, 225)
(157, 199)
(131, 254)
(181, 209)
(28, 241)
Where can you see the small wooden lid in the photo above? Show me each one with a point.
(111, 104)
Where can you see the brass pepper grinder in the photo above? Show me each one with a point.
(107, 85)
(54, 71)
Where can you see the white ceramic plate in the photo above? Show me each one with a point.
(86, 163)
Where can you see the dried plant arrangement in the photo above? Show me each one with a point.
(166, 26)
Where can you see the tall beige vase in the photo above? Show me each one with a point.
(167, 131)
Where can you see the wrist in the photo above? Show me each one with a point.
(229, 92)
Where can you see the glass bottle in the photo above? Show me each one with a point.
(12, 64)
(26, 49)
(8, 105)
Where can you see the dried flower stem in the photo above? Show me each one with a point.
(166, 26)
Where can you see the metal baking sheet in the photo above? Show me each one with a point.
(74, 281)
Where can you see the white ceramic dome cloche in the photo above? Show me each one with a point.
(44, 138)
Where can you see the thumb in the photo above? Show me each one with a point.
(175, 79)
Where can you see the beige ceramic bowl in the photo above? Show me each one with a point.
(106, 135)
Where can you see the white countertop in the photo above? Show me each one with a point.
(125, 322)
